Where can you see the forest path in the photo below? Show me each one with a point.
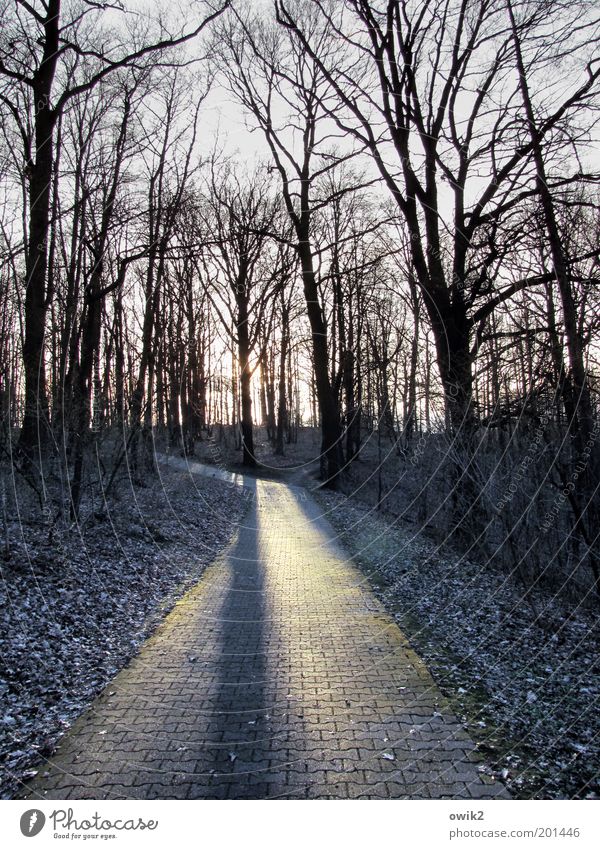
(279, 675)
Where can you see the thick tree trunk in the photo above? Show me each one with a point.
(33, 430)
(452, 336)
(328, 408)
(451, 330)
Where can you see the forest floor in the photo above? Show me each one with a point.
(522, 676)
(522, 673)
(77, 601)
(279, 675)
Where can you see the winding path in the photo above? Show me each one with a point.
(279, 675)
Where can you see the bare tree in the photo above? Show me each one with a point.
(171, 166)
(38, 42)
(241, 270)
(282, 89)
(418, 85)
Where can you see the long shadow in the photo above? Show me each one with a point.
(240, 729)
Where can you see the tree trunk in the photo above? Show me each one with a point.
(328, 408)
(282, 413)
(248, 458)
(90, 340)
(582, 422)
(33, 430)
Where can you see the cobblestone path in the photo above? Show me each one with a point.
(279, 675)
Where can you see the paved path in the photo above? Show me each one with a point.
(279, 675)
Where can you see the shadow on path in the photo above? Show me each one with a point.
(239, 726)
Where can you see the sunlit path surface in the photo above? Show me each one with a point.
(279, 675)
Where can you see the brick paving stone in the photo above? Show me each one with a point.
(279, 675)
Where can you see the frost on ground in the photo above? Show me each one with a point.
(522, 673)
(76, 604)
